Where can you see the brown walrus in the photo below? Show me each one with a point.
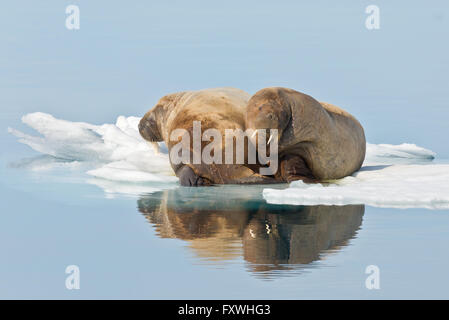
(316, 140)
(220, 108)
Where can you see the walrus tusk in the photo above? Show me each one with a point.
(269, 140)
(251, 232)
(154, 146)
(254, 133)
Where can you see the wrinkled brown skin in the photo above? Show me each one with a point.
(317, 141)
(220, 108)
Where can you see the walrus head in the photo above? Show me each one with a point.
(152, 123)
(149, 125)
(267, 110)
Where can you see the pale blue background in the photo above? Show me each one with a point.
(128, 54)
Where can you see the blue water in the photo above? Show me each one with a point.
(185, 243)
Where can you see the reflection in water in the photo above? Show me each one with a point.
(226, 222)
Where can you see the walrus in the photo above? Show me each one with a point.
(317, 141)
(221, 109)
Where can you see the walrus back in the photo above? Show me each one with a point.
(330, 140)
(348, 139)
(220, 109)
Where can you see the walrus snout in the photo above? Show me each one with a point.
(270, 119)
(148, 129)
(143, 128)
(263, 121)
(262, 115)
(266, 120)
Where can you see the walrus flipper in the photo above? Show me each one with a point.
(295, 168)
(188, 178)
(255, 178)
(221, 174)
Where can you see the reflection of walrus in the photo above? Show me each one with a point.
(217, 221)
(221, 108)
(285, 239)
(317, 141)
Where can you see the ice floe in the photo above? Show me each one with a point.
(398, 186)
(115, 151)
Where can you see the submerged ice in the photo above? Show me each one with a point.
(392, 175)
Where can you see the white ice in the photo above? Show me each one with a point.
(395, 186)
(395, 176)
(114, 151)
(405, 153)
(392, 175)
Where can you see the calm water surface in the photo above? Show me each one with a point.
(219, 242)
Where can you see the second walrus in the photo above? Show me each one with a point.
(317, 141)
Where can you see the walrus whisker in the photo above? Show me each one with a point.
(269, 140)
(254, 134)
